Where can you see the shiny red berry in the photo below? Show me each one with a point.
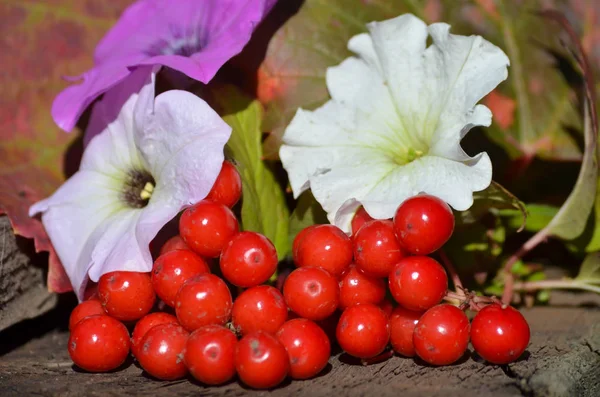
(499, 334)
(298, 239)
(260, 308)
(363, 331)
(360, 218)
(261, 360)
(174, 268)
(356, 287)
(161, 351)
(307, 346)
(227, 189)
(376, 249)
(402, 326)
(207, 227)
(145, 324)
(248, 259)
(423, 224)
(209, 354)
(441, 335)
(312, 293)
(99, 343)
(172, 244)
(126, 296)
(85, 309)
(418, 282)
(325, 246)
(203, 300)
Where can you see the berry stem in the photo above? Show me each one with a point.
(453, 273)
(509, 278)
(530, 286)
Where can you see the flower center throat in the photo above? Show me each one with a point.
(137, 189)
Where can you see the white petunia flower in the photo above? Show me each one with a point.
(393, 126)
(154, 157)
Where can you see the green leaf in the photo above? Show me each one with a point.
(589, 272)
(538, 217)
(307, 212)
(531, 109)
(494, 198)
(263, 203)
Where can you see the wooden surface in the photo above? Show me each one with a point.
(563, 359)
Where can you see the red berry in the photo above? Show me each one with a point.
(126, 296)
(203, 300)
(298, 239)
(85, 309)
(172, 269)
(227, 189)
(248, 259)
(325, 246)
(260, 308)
(209, 354)
(145, 324)
(207, 227)
(161, 351)
(423, 224)
(376, 249)
(418, 282)
(441, 335)
(360, 218)
(356, 287)
(172, 244)
(311, 292)
(499, 334)
(402, 326)
(261, 360)
(387, 307)
(363, 331)
(307, 346)
(99, 343)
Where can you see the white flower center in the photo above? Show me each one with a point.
(137, 188)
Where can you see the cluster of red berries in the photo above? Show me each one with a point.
(289, 333)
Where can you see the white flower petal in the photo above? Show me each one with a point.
(393, 126)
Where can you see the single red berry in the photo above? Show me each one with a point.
(298, 239)
(174, 268)
(423, 224)
(207, 227)
(248, 259)
(227, 189)
(172, 244)
(325, 246)
(307, 346)
(311, 292)
(442, 334)
(85, 309)
(260, 308)
(99, 343)
(126, 296)
(261, 360)
(402, 326)
(161, 351)
(360, 218)
(418, 282)
(499, 334)
(376, 249)
(203, 300)
(356, 287)
(209, 354)
(145, 324)
(363, 331)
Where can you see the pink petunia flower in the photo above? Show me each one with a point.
(195, 37)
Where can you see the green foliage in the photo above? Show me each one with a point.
(538, 217)
(263, 204)
(589, 272)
